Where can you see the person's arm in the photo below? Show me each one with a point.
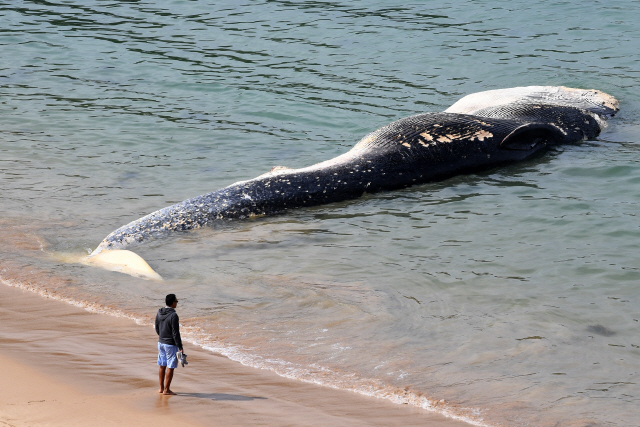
(175, 330)
(157, 326)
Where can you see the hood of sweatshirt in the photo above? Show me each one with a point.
(165, 312)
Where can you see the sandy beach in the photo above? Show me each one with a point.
(65, 366)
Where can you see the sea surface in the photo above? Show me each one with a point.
(506, 298)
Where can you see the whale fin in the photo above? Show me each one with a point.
(122, 261)
(528, 136)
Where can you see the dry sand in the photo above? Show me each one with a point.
(65, 366)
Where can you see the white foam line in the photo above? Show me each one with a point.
(280, 367)
(89, 306)
(236, 354)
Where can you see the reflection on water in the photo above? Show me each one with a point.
(502, 293)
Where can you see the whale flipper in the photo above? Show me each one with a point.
(529, 136)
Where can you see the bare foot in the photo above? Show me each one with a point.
(168, 392)
(161, 391)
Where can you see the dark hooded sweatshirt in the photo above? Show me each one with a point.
(167, 327)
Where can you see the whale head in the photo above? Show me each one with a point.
(592, 100)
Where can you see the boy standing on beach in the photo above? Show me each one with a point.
(169, 342)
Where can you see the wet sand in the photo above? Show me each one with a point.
(65, 366)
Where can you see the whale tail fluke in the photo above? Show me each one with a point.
(122, 261)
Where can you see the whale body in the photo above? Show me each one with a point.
(480, 131)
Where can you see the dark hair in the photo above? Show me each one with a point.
(170, 299)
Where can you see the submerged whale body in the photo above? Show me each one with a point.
(480, 131)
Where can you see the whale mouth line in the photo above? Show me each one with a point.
(122, 261)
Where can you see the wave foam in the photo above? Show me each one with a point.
(313, 374)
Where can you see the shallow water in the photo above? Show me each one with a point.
(510, 294)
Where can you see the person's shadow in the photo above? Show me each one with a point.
(220, 396)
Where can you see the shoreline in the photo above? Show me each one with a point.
(103, 369)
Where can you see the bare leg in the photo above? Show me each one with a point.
(167, 390)
(161, 372)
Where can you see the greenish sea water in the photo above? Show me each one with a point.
(512, 295)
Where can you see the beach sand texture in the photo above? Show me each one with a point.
(65, 366)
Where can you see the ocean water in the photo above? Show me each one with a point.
(505, 298)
